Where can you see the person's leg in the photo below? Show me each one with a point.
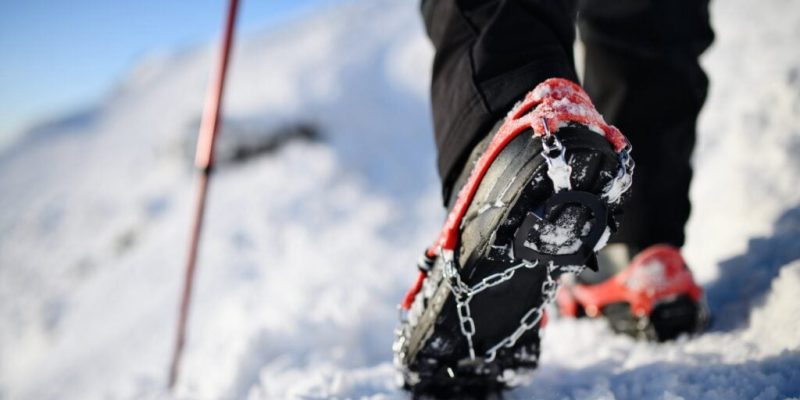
(642, 72)
(538, 185)
(489, 53)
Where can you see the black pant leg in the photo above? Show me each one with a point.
(489, 53)
(643, 74)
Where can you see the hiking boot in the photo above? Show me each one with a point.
(652, 296)
(539, 196)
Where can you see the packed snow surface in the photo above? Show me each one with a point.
(308, 249)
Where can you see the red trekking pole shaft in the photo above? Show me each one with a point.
(204, 160)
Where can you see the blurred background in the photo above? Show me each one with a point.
(325, 193)
(63, 57)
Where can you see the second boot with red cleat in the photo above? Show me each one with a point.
(651, 296)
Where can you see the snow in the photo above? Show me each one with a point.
(308, 250)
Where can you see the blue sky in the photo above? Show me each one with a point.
(59, 56)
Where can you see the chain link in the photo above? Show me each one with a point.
(467, 325)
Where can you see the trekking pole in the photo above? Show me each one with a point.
(204, 161)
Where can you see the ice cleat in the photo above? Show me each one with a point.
(538, 198)
(654, 297)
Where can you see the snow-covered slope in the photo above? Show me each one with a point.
(307, 251)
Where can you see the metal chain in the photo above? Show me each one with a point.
(464, 294)
(531, 319)
(467, 324)
(559, 172)
(613, 192)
